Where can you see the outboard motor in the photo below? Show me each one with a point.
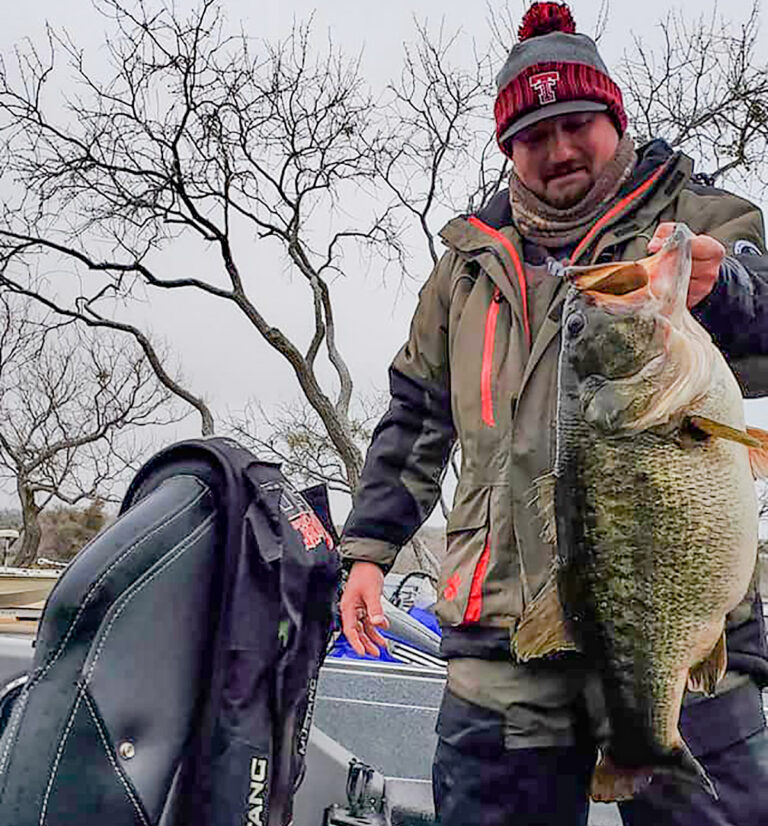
(177, 655)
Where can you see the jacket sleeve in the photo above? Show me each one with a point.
(736, 315)
(736, 311)
(400, 482)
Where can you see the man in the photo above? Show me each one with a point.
(517, 741)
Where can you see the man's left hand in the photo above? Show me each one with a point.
(706, 257)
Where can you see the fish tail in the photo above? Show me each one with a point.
(611, 782)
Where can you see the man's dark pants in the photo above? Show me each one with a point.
(478, 781)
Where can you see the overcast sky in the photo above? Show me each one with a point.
(374, 315)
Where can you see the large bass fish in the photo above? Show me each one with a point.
(655, 507)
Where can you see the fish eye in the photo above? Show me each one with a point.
(574, 324)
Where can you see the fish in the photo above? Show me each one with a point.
(652, 506)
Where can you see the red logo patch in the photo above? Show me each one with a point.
(544, 83)
(312, 531)
(452, 587)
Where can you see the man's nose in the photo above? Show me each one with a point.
(561, 148)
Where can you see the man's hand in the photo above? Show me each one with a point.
(361, 611)
(706, 256)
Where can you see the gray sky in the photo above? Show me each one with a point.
(221, 357)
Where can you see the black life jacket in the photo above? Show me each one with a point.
(177, 655)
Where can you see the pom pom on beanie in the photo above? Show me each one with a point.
(544, 18)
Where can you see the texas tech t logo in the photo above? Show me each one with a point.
(544, 83)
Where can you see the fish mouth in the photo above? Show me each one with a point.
(619, 279)
(659, 275)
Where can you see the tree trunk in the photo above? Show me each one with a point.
(32, 533)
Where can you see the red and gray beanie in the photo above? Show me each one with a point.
(552, 71)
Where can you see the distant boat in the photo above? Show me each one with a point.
(21, 587)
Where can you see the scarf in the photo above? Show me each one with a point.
(549, 226)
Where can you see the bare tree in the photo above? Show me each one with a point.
(70, 404)
(444, 158)
(194, 137)
(705, 90)
(204, 139)
(66, 530)
(294, 436)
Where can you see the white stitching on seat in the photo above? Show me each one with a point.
(57, 759)
(18, 710)
(179, 549)
(167, 521)
(111, 757)
(15, 721)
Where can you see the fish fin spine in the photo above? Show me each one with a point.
(758, 455)
(544, 499)
(612, 783)
(705, 676)
(718, 430)
(542, 631)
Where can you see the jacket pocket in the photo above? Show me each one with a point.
(486, 369)
(467, 559)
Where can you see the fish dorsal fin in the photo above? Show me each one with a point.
(541, 631)
(723, 431)
(758, 456)
(707, 674)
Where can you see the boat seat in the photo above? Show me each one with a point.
(102, 719)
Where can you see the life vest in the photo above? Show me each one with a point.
(177, 655)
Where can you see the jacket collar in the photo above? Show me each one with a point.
(650, 156)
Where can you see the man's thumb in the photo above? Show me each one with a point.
(374, 610)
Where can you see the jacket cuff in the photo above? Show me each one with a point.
(365, 549)
(731, 273)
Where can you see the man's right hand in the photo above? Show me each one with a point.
(361, 611)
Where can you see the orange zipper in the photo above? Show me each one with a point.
(516, 263)
(614, 211)
(486, 370)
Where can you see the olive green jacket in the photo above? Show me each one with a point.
(472, 370)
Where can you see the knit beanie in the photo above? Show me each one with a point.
(552, 71)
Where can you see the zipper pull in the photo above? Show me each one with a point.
(497, 296)
(559, 269)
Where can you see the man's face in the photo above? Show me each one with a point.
(560, 158)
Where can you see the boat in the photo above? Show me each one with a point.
(374, 715)
(369, 750)
(24, 587)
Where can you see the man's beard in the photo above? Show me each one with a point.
(569, 198)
